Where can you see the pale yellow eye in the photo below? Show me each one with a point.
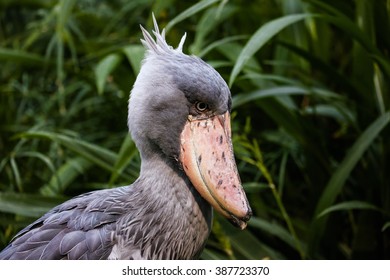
(201, 106)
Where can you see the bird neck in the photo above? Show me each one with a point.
(165, 180)
(173, 220)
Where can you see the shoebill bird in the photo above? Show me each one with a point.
(179, 118)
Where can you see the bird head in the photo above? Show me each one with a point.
(180, 109)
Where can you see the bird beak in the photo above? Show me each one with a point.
(207, 158)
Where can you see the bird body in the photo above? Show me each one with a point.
(151, 219)
(179, 119)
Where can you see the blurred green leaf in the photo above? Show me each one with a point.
(135, 54)
(311, 76)
(211, 255)
(355, 153)
(26, 204)
(260, 38)
(104, 68)
(209, 21)
(19, 56)
(65, 175)
(247, 245)
(241, 99)
(340, 176)
(386, 226)
(126, 153)
(219, 43)
(348, 205)
(201, 5)
(274, 230)
(97, 155)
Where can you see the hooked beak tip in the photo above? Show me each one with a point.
(241, 223)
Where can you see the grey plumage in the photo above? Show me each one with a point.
(161, 215)
(151, 219)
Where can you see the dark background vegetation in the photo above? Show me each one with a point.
(310, 86)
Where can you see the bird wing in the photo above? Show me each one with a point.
(80, 228)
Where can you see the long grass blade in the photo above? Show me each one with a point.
(19, 56)
(16, 174)
(386, 226)
(98, 155)
(126, 154)
(261, 37)
(246, 244)
(104, 69)
(273, 229)
(219, 43)
(342, 173)
(65, 175)
(27, 205)
(348, 205)
(241, 99)
(135, 54)
(211, 255)
(344, 169)
(189, 12)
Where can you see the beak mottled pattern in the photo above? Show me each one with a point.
(208, 160)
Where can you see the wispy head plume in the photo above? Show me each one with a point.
(160, 45)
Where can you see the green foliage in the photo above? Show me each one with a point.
(311, 111)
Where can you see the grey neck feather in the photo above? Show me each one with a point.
(176, 216)
(162, 176)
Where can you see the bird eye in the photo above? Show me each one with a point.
(201, 106)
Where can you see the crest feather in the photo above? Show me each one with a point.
(159, 45)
